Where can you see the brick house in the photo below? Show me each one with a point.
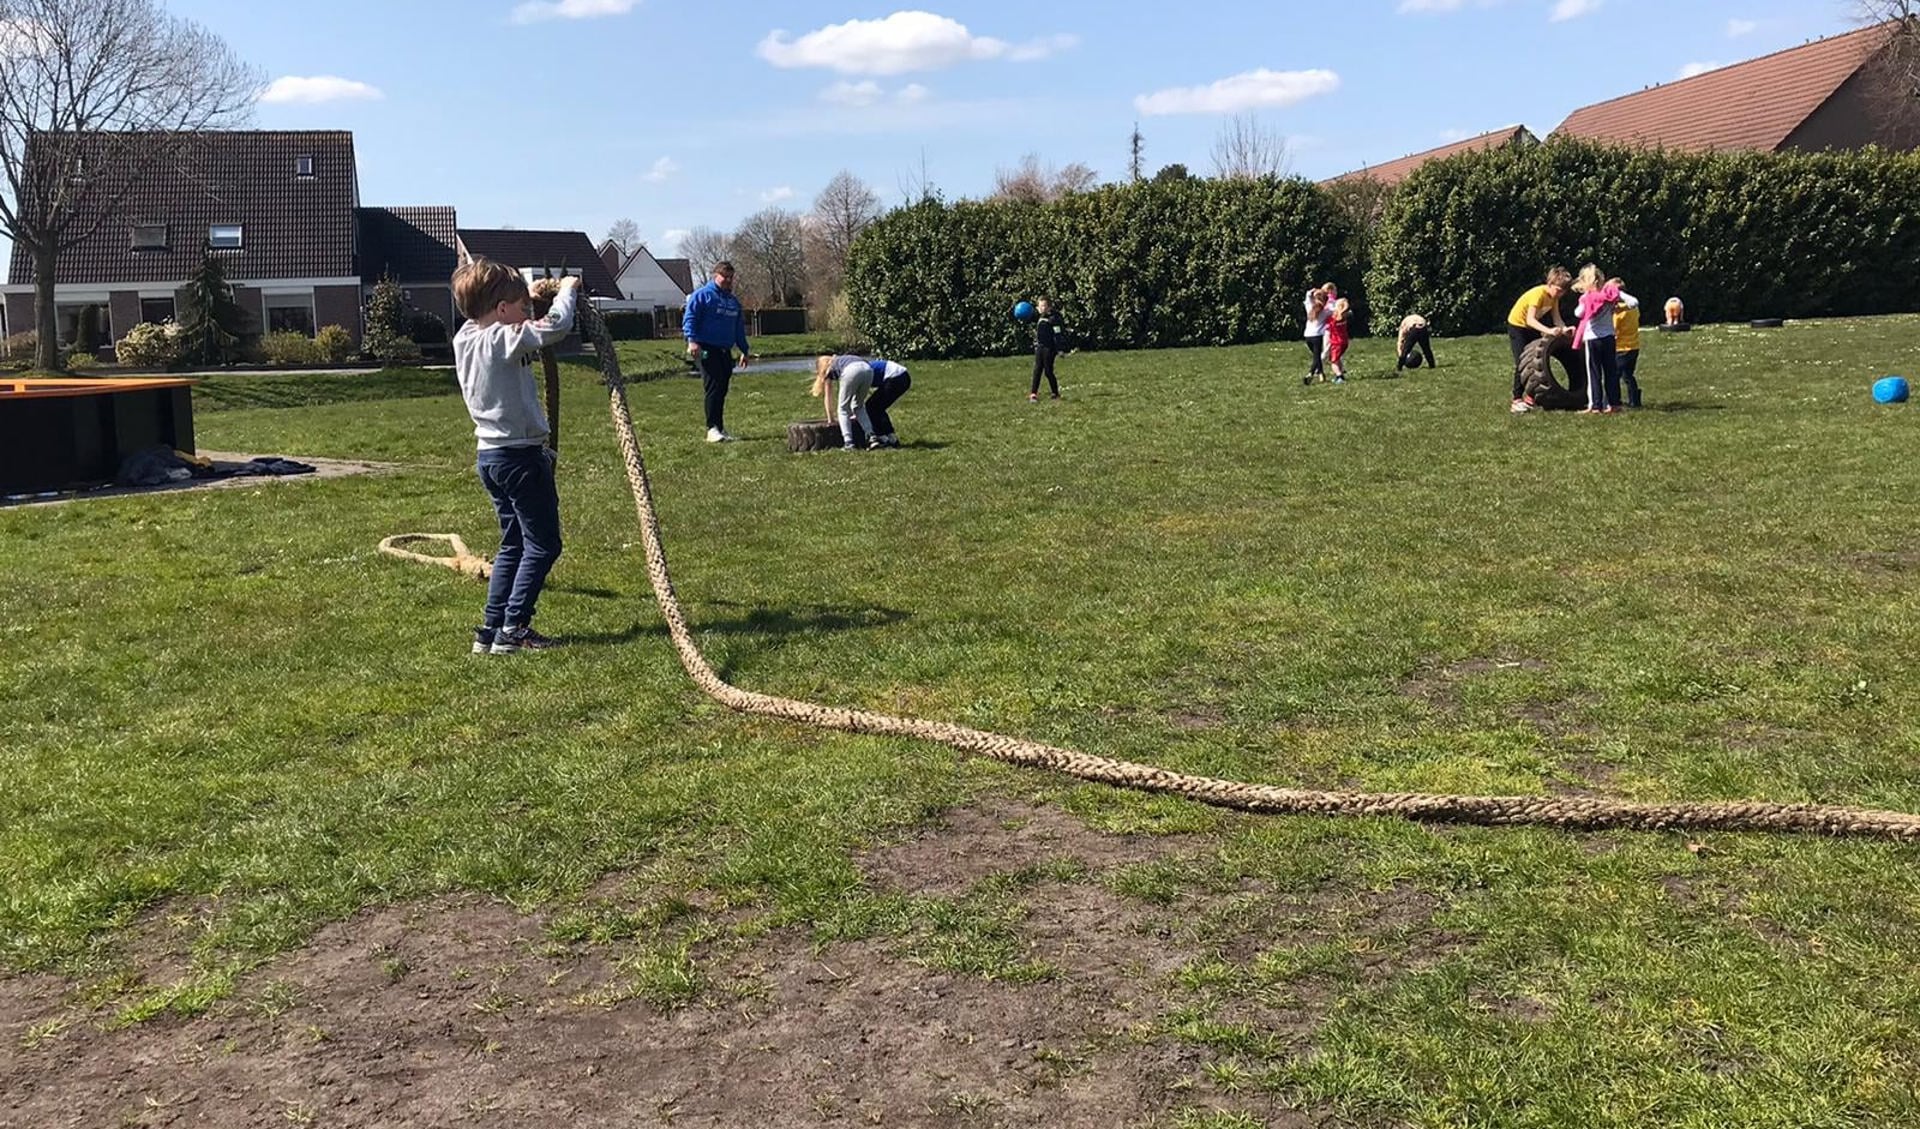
(279, 207)
(1832, 93)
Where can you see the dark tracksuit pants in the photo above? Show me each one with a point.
(1520, 336)
(1420, 339)
(1317, 349)
(885, 392)
(1043, 366)
(716, 373)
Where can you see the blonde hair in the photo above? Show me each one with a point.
(480, 286)
(1617, 282)
(1558, 276)
(1591, 279)
(822, 373)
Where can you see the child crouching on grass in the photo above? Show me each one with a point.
(855, 375)
(493, 358)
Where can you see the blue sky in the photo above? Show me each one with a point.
(575, 113)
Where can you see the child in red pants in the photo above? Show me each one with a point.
(1338, 334)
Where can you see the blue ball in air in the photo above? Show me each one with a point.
(1890, 390)
(1023, 311)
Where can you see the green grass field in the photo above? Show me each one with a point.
(227, 706)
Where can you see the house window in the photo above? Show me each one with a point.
(289, 313)
(156, 310)
(149, 237)
(226, 236)
(303, 166)
(68, 316)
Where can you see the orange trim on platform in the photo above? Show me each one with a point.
(27, 388)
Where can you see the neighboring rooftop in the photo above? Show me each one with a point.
(411, 244)
(552, 250)
(680, 271)
(1755, 105)
(1393, 172)
(290, 192)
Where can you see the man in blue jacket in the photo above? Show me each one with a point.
(713, 326)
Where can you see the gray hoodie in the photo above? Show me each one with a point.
(495, 367)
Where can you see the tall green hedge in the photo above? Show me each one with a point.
(1736, 235)
(1147, 265)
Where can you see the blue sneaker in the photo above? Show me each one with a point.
(509, 640)
(482, 640)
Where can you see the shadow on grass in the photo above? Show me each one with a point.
(795, 619)
(1681, 406)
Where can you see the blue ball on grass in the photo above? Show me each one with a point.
(1890, 390)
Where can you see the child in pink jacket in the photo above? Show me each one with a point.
(1594, 337)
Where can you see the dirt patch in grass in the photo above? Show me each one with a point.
(1437, 685)
(462, 1010)
(999, 837)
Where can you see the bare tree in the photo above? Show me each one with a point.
(917, 184)
(625, 234)
(97, 96)
(1247, 150)
(1030, 182)
(772, 256)
(1075, 177)
(1899, 67)
(841, 212)
(1137, 151)
(704, 247)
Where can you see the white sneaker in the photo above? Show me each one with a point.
(1519, 406)
(715, 435)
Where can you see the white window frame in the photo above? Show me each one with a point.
(239, 231)
(271, 300)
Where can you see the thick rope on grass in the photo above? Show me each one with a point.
(463, 560)
(1581, 813)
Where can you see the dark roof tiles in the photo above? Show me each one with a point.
(550, 249)
(411, 244)
(293, 226)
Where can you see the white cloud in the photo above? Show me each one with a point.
(1574, 9)
(775, 195)
(852, 93)
(1692, 69)
(319, 88)
(869, 93)
(670, 241)
(898, 44)
(662, 169)
(534, 11)
(1737, 27)
(1254, 90)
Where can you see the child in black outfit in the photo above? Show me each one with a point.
(1048, 336)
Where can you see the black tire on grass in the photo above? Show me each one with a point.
(1677, 327)
(1767, 323)
(813, 435)
(1536, 374)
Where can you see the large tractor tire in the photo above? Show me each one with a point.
(1536, 374)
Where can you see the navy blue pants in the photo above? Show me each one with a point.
(885, 392)
(520, 482)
